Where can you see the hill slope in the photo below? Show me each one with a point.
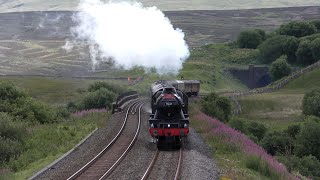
(41, 5)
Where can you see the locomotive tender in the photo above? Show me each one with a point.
(169, 120)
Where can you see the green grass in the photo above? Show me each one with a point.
(47, 142)
(280, 109)
(230, 160)
(50, 90)
(210, 64)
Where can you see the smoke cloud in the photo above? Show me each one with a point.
(129, 34)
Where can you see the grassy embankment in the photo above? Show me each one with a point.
(280, 109)
(46, 142)
(276, 111)
(210, 64)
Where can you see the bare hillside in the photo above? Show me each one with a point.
(165, 5)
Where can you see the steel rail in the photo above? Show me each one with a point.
(112, 168)
(148, 171)
(177, 175)
(86, 166)
(155, 157)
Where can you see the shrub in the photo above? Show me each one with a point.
(316, 23)
(315, 49)
(308, 139)
(277, 143)
(9, 92)
(9, 149)
(293, 130)
(280, 68)
(273, 48)
(216, 106)
(297, 29)
(249, 39)
(111, 87)
(262, 34)
(20, 105)
(290, 47)
(304, 53)
(311, 103)
(238, 124)
(256, 129)
(307, 165)
(101, 98)
(11, 129)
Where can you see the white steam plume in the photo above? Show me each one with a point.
(130, 35)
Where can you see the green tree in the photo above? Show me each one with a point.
(256, 129)
(315, 49)
(280, 68)
(316, 23)
(262, 34)
(304, 53)
(290, 47)
(216, 106)
(308, 139)
(297, 29)
(272, 48)
(100, 84)
(101, 98)
(311, 103)
(278, 143)
(249, 39)
(308, 166)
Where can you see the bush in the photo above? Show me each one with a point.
(101, 98)
(23, 107)
(9, 149)
(249, 39)
(290, 47)
(111, 87)
(308, 139)
(280, 68)
(238, 124)
(297, 29)
(316, 23)
(293, 130)
(307, 165)
(278, 143)
(11, 129)
(304, 53)
(262, 34)
(216, 106)
(315, 49)
(11, 137)
(273, 48)
(257, 129)
(311, 103)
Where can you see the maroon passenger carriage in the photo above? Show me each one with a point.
(169, 120)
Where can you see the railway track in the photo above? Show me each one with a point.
(148, 172)
(103, 164)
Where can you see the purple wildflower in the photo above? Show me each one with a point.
(246, 145)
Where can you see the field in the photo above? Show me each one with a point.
(280, 109)
(41, 5)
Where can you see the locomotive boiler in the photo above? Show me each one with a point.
(169, 120)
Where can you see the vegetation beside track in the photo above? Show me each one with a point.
(34, 133)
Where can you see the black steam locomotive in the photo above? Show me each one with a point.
(169, 120)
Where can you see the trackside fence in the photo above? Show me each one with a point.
(122, 99)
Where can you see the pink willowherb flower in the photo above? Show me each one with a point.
(246, 145)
